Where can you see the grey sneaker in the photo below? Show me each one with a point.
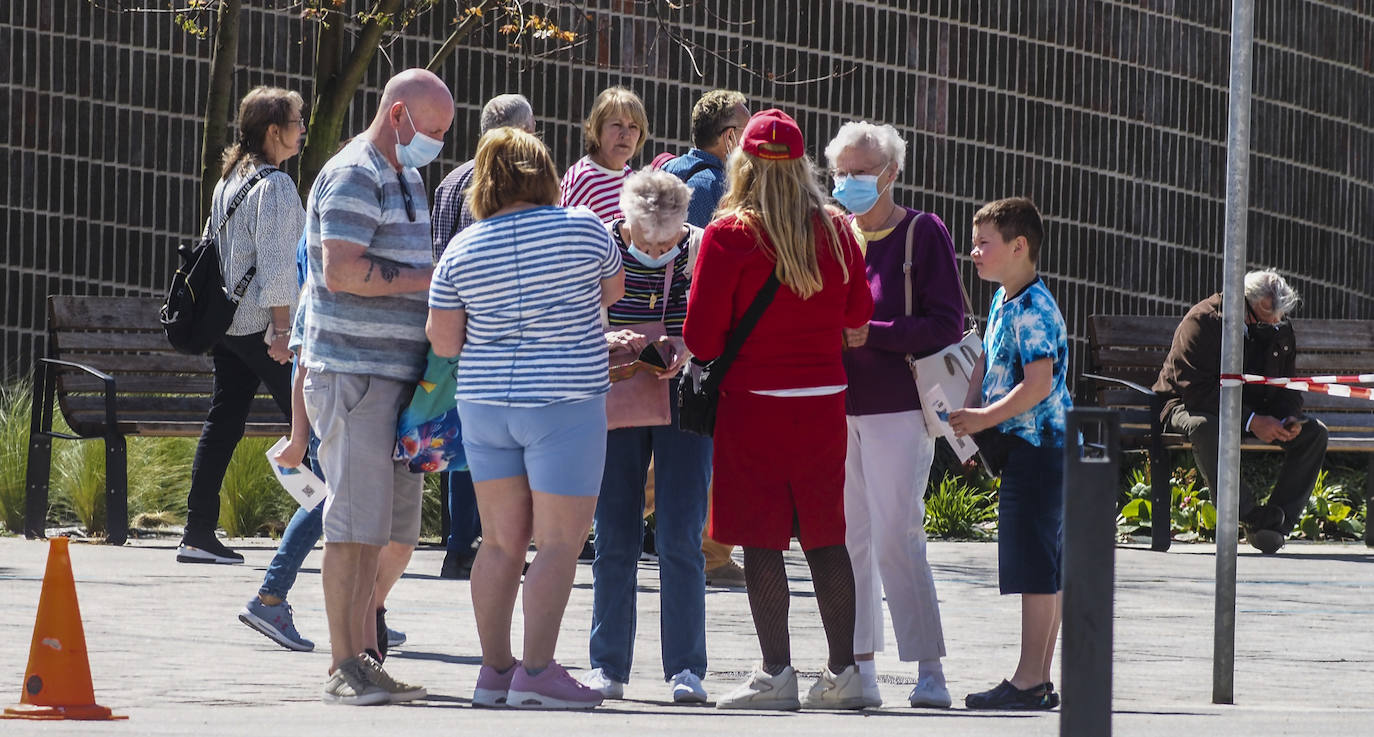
(843, 690)
(349, 685)
(276, 623)
(395, 638)
(765, 692)
(397, 691)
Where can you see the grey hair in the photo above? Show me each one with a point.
(655, 203)
(881, 138)
(1283, 299)
(507, 110)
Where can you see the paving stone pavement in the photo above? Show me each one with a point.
(166, 649)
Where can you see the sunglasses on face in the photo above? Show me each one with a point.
(652, 357)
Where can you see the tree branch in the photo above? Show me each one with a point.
(459, 34)
(218, 100)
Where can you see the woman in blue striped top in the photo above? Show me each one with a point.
(519, 293)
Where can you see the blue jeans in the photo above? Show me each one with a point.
(682, 469)
(464, 526)
(302, 532)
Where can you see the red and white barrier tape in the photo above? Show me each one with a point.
(1336, 386)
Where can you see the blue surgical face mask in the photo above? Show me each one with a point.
(420, 151)
(654, 263)
(858, 193)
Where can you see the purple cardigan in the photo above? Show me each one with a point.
(879, 379)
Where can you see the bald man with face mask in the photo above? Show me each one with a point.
(364, 347)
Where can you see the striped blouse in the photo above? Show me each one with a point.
(643, 300)
(530, 282)
(591, 185)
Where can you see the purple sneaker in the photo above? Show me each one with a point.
(553, 688)
(492, 686)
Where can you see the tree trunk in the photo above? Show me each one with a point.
(337, 77)
(218, 100)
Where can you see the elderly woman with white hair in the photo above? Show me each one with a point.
(890, 450)
(658, 249)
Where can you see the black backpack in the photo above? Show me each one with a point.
(198, 309)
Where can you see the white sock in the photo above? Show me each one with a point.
(933, 669)
(867, 668)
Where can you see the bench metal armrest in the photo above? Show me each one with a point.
(111, 416)
(1121, 382)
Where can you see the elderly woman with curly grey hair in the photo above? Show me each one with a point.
(890, 451)
(658, 249)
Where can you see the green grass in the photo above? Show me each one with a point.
(15, 406)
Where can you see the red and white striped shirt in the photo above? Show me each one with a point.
(594, 186)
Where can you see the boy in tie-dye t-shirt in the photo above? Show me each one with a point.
(1019, 389)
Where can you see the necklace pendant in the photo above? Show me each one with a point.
(653, 299)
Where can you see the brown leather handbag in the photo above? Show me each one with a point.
(638, 397)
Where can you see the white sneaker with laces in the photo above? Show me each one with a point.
(764, 691)
(687, 688)
(837, 691)
(608, 687)
(929, 692)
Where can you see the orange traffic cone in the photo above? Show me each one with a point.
(57, 683)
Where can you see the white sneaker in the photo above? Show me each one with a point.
(762, 691)
(843, 690)
(929, 692)
(687, 688)
(873, 698)
(597, 680)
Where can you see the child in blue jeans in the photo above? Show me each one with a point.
(1019, 388)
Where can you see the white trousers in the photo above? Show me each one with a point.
(884, 507)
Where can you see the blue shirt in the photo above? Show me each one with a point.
(1022, 330)
(708, 183)
(530, 283)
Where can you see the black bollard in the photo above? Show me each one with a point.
(1092, 458)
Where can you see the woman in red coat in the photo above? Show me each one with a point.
(780, 435)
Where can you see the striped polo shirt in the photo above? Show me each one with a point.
(589, 184)
(357, 198)
(643, 300)
(530, 283)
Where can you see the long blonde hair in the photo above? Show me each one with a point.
(783, 199)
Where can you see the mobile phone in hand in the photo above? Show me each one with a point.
(1294, 423)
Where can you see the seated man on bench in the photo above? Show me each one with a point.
(1190, 382)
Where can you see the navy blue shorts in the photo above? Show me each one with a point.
(1030, 519)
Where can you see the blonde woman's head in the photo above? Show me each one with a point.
(510, 166)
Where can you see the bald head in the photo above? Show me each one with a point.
(414, 100)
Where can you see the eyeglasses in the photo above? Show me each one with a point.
(652, 357)
(405, 197)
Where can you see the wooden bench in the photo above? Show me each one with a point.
(1127, 352)
(112, 373)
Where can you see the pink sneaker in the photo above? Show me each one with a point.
(492, 685)
(553, 688)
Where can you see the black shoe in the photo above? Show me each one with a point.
(204, 547)
(380, 655)
(1267, 542)
(650, 549)
(457, 566)
(1008, 697)
(588, 550)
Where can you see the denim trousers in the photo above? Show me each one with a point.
(302, 532)
(682, 473)
(464, 526)
(241, 365)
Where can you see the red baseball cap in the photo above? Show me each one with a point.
(773, 134)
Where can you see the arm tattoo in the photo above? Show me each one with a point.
(388, 269)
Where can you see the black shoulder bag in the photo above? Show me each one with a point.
(699, 390)
(198, 309)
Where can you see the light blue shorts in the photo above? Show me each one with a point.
(560, 447)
